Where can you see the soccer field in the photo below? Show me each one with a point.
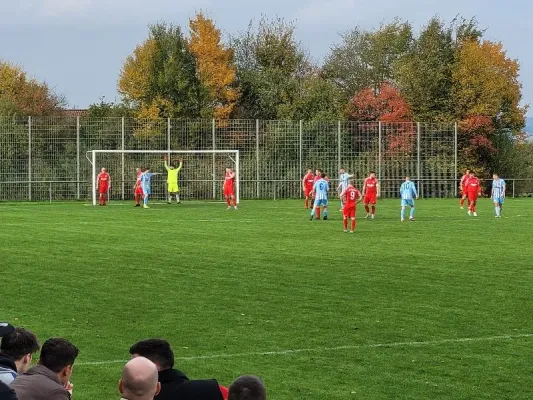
(439, 308)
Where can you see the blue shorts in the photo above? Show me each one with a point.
(406, 203)
(323, 203)
(498, 200)
(147, 190)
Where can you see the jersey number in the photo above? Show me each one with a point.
(352, 195)
(321, 186)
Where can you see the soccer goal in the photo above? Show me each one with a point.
(201, 177)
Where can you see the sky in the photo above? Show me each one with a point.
(78, 46)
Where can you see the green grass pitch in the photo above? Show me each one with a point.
(439, 308)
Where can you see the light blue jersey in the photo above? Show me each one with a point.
(408, 193)
(145, 180)
(498, 190)
(321, 188)
(344, 180)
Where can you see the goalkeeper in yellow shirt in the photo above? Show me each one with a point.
(173, 180)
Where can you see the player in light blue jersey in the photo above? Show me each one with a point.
(408, 193)
(145, 181)
(497, 194)
(320, 192)
(344, 181)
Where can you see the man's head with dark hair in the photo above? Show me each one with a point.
(20, 345)
(247, 387)
(58, 355)
(156, 350)
(322, 175)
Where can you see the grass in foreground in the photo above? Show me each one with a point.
(438, 308)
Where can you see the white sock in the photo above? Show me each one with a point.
(177, 197)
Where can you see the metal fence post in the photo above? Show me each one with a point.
(418, 138)
(455, 160)
(339, 144)
(513, 188)
(29, 158)
(379, 150)
(214, 171)
(301, 154)
(78, 157)
(257, 157)
(122, 158)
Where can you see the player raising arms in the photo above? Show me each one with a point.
(320, 192)
(229, 188)
(173, 180)
(497, 194)
(344, 181)
(350, 196)
(104, 185)
(370, 194)
(408, 193)
(307, 184)
(137, 189)
(473, 191)
(464, 181)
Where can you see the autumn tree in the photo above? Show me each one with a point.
(386, 104)
(215, 66)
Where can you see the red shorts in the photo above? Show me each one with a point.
(472, 196)
(103, 189)
(229, 191)
(370, 198)
(349, 212)
(307, 192)
(138, 190)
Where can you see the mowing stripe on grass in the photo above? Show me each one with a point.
(331, 349)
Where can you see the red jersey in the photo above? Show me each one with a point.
(229, 180)
(351, 195)
(103, 179)
(472, 185)
(309, 181)
(464, 180)
(371, 185)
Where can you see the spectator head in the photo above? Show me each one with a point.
(247, 387)
(156, 350)
(58, 355)
(139, 380)
(20, 345)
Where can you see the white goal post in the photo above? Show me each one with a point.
(92, 156)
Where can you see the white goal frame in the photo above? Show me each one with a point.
(235, 153)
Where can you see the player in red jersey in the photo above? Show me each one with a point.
(473, 191)
(307, 183)
(229, 188)
(371, 194)
(350, 197)
(464, 181)
(137, 189)
(104, 184)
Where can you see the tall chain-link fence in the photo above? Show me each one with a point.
(44, 158)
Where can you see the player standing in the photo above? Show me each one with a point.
(498, 194)
(344, 181)
(320, 192)
(146, 181)
(464, 181)
(229, 188)
(307, 184)
(408, 193)
(350, 196)
(473, 191)
(173, 180)
(370, 194)
(137, 189)
(104, 185)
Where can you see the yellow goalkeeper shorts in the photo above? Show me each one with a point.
(173, 188)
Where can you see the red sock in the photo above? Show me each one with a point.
(373, 210)
(306, 203)
(462, 202)
(318, 212)
(228, 202)
(367, 209)
(353, 225)
(235, 202)
(345, 224)
(137, 199)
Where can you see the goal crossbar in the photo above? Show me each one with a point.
(94, 153)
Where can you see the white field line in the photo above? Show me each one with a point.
(332, 349)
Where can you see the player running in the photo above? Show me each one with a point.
(173, 180)
(464, 181)
(104, 185)
(229, 188)
(370, 194)
(344, 181)
(497, 194)
(408, 193)
(320, 194)
(473, 191)
(137, 189)
(307, 184)
(350, 196)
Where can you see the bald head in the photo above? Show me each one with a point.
(247, 387)
(139, 380)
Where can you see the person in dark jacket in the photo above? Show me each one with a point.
(16, 352)
(6, 393)
(50, 379)
(247, 387)
(174, 384)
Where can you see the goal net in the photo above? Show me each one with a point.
(201, 177)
